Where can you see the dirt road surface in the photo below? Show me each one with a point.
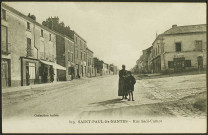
(178, 96)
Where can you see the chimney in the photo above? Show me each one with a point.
(175, 25)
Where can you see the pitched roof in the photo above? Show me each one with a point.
(186, 29)
(33, 21)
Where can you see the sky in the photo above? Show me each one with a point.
(117, 32)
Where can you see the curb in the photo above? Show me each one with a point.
(21, 88)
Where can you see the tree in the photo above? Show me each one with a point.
(98, 64)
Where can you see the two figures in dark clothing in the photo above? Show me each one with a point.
(126, 84)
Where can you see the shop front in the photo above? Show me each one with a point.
(48, 70)
(29, 71)
(71, 72)
(5, 73)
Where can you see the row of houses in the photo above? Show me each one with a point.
(32, 53)
(178, 49)
(109, 69)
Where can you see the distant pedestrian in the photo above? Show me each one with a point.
(130, 81)
(122, 84)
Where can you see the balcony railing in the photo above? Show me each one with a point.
(29, 52)
(5, 47)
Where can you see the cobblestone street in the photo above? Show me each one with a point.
(178, 96)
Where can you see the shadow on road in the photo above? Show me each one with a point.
(191, 106)
(112, 101)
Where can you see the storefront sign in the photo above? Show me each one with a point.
(178, 56)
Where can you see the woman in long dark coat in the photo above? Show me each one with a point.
(122, 85)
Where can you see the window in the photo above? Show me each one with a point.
(72, 48)
(77, 53)
(3, 14)
(69, 56)
(49, 37)
(69, 70)
(29, 43)
(41, 33)
(187, 63)
(156, 51)
(198, 45)
(170, 64)
(4, 45)
(28, 25)
(80, 44)
(76, 39)
(29, 50)
(178, 47)
(81, 55)
(72, 58)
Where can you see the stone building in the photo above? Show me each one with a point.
(28, 50)
(149, 60)
(106, 69)
(180, 48)
(90, 63)
(65, 57)
(144, 63)
(80, 54)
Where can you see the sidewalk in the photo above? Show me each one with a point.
(160, 75)
(20, 88)
(45, 85)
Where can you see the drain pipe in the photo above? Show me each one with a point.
(34, 40)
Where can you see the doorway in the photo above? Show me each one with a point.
(5, 73)
(200, 62)
(179, 64)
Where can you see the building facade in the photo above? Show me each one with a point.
(80, 46)
(90, 63)
(106, 69)
(180, 48)
(28, 50)
(65, 57)
(144, 64)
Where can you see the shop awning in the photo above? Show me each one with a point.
(56, 66)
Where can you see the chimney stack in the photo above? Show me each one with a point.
(175, 25)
